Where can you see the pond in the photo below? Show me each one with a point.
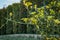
(21, 37)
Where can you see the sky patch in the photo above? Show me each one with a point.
(5, 3)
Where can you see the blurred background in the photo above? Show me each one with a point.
(30, 17)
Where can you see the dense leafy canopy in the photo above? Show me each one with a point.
(31, 16)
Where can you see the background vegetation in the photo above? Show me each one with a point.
(31, 17)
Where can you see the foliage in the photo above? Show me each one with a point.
(29, 16)
(44, 18)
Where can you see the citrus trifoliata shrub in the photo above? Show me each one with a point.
(46, 19)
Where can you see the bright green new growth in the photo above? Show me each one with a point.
(44, 17)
